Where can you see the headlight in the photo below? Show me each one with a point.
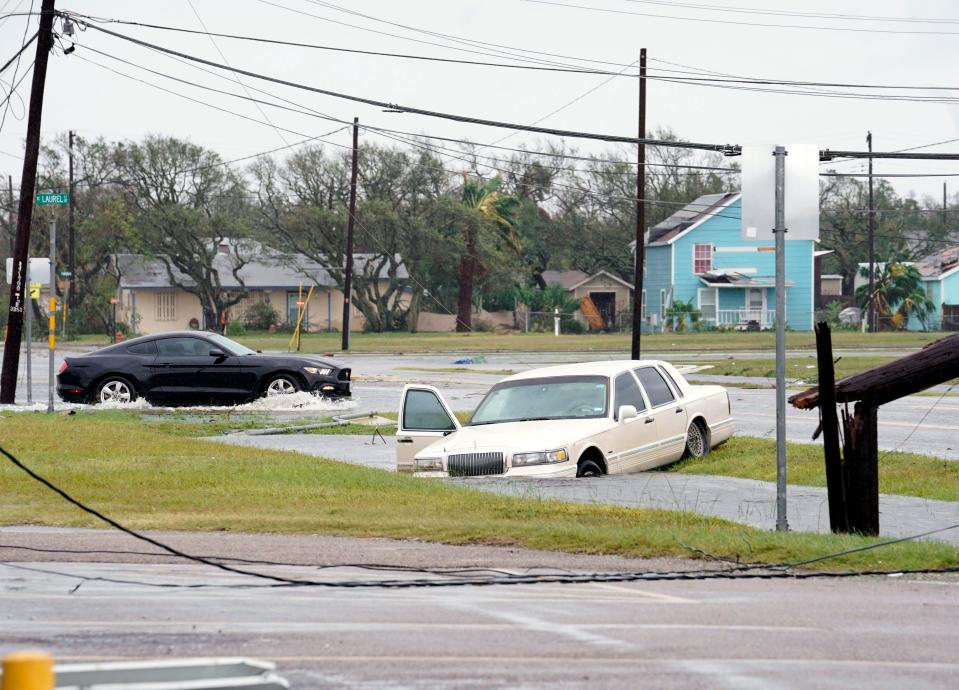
(424, 464)
(318, 370)
(542, 458)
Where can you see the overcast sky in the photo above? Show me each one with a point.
(96, 102)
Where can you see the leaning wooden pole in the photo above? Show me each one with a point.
(835, 487)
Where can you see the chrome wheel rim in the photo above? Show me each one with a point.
(116, 392)
(694, 441)
(280, 387)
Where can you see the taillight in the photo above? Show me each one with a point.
(63, 367)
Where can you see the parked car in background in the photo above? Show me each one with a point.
(577, 420)
(193, 367)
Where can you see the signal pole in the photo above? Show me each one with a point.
(872, 246)
(348, 277)
(21, 247)
(640, 253)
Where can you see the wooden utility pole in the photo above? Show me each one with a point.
(871, 314)
(21, 247)
(640, 253)
(945, 207)
(835, 485)
(13, 226)
(73, 246)
(348, 277)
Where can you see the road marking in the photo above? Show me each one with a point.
(666, 598)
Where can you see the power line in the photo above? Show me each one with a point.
(723, 148)
(355, 51)
(14, 86)
(789, 13)
(702, 20)
(17, 54)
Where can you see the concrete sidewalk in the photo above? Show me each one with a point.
(746, 501)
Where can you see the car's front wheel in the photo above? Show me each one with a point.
(589, 468)
(281, 385)
(696, 444)
(115, 389)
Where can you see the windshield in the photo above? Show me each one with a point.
(558, 397)
(230, 345)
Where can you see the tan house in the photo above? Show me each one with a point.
(150, 303)
(603, 296)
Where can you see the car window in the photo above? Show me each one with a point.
(148, 348)
(676, 388)
(423, 411)
(184, 347)
(656, 388)
(627, 393)
(554, 397)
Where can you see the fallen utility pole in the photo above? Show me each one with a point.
(829, 425)
(21, 248)
(935, 364)
(640, 253)
(348, 272)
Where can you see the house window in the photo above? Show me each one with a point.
(707, 303)
(702, 258)
(166, 306)
(664, 303)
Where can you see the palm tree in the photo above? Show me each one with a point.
(678, 314)
(898, 293)
(489, 209)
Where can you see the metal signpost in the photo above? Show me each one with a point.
(52, 200)
(769, 208)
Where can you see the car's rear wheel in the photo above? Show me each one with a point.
(281, 385)
(589, 468)
(696, 445)
(115, 389)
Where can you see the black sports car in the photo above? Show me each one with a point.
(191, 367)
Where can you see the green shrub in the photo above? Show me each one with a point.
(260, 316)
(235, 328)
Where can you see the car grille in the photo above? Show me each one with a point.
(475, 464)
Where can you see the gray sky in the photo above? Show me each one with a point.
(96, 102)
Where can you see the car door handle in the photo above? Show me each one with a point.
(649, 420)
(679, 410)
(404, 439)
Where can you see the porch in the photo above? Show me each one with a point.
(733, 299)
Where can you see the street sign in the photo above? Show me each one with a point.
(38, 271)
(48, 199)
(34, 290)
(801, 189)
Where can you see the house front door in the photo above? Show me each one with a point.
(756, 306)
(606, 305)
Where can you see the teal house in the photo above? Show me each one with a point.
(940, 278)
(698, 255)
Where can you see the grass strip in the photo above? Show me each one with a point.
(904, 474)
(153, 480)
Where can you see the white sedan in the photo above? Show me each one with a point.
(576, 420)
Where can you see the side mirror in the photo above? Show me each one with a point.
(219, 354)
(627, 412)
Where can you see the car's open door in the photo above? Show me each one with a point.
(424, 417)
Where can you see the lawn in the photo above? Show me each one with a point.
(797, 368)
(151, 479)
(906, 474)
(545, 342)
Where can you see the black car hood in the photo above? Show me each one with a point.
(303, 360)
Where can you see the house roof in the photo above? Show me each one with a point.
(937, 264)
(739, 280)
(596, 275)
(270, 269)
(688, 216)
(565, 279)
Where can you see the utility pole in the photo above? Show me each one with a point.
(640, 253)
(348, 277)
(945, 207)
(73, 246)
(21, 247)
(872, 246)
(13, 227)
(781, 524)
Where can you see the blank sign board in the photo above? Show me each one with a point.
(39, 271)
(801, 192)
